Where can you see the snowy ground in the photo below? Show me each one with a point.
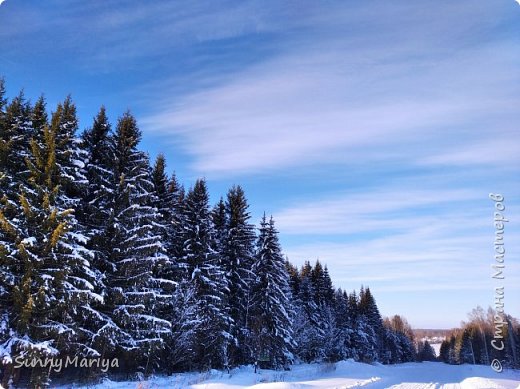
(343, 375)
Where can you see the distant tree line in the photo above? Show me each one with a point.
(487, 336)
(103, 255)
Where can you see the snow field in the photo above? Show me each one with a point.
(342, 375)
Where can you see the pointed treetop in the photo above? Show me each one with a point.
(99, 131)
(159, 177)
(306, 270)
(39, 114)
(18, 108)
(67, 118)
(127, 132)
(101, 124)
(219, 215)
(237, 206)
(175, 187)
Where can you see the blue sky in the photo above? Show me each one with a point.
(373, 131)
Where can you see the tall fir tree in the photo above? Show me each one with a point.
(209, 280)
(425, 351)
(237, 264)
(166, 271)
(15, 136)
(308, 331)
(372, 318)
(398, 341)
(294, 278)
(53, 292)
(133, 295)
(175, 240)
(342, 343)
(70, 157)
(98, 198)
(39, 117)
(165, 195)
(97, 212)
(272, 311)
(219, 219)
(322, 284)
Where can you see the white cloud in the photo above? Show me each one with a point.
(345, 102)
(376, 210)
(401, 238)
(502, 148)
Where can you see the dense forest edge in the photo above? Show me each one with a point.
(105, 257)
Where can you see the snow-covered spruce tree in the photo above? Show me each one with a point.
(135, 334)
(444, 351)
(166, 271)
(98, 198)
(170, 273)
(341, 342)
(15, 137)
(271, 312)
(324, 292)
(237, 263)
(398, 342)
(351, 322)
(464, 347)
(15, 134)
(452, 357)
(369, 310)
(324, 299)
(308, 332)
(178, 353)
(165, 194)
(294, 278)
(175, 240)
(70, 158)
(219, 219)
(71, 161)
(97, 212)
(362, 339)
(392, 349)
(425, 351)
(365, 340)
(39, 118)
(204, 270)
(52, 297)
(406, 338)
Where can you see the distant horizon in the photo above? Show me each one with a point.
(372, 132)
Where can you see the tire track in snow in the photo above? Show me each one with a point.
(359, 384)
(415, 385)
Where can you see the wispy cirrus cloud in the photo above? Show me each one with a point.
(113, 35)
(367, 96)
(390, 209)
(408, 245)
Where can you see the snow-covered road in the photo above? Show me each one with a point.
(343, 375)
